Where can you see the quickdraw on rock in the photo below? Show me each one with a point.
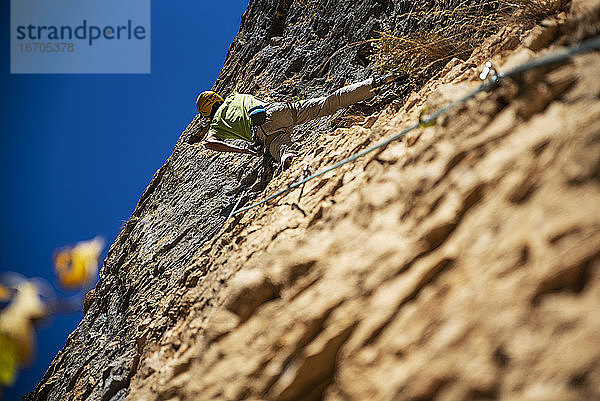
(305, 174)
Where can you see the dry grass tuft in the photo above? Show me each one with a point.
(433, 33)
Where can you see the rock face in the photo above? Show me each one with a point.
(460, 263)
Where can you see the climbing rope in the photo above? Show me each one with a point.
(491, 80)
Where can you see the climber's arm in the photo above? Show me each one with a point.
(213, 143)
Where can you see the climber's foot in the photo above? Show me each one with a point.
(287, 160)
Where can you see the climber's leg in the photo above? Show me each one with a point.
(307, 110)
(280, 146)
(282, 116)
(279, 117)
(277, 131)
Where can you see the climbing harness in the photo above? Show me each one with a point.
(258, 116)
(491, 79)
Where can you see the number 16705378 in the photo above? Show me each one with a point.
(49, 47)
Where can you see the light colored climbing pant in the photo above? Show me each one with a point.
(283, 116)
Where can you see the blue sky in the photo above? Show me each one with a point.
(79, 150)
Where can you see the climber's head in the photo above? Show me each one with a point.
(208, 102)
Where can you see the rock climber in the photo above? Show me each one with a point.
(234, 118)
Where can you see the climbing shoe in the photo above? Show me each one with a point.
(287, 160)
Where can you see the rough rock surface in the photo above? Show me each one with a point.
(461, 263)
